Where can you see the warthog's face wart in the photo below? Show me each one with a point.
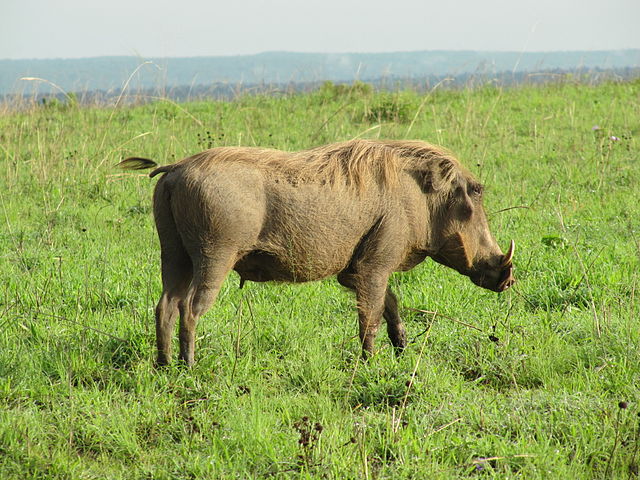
(466, 244)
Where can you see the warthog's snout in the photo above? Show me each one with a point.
(498, 277)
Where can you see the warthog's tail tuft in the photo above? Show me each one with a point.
(136, 163)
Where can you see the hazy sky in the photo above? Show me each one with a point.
(159, 28)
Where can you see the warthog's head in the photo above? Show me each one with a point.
(462, 240)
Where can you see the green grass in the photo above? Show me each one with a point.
(279, 390)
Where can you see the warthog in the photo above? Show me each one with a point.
(360, 210)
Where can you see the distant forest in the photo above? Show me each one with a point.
(95, 79)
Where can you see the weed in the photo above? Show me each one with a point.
(205, 141)
(308, 441)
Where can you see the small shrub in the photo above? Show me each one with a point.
(332, 91)
(389, 107)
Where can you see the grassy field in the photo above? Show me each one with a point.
(527, 384)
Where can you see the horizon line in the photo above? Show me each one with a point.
(292, 52)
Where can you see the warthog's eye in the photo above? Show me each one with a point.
(475, 189)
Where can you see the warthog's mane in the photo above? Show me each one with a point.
(359, 163)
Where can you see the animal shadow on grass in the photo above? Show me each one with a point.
(126, 352)
(380, 388)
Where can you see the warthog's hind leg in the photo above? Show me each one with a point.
(208, 275)
(176, 277)
(166, 314)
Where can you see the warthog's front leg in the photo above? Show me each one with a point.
(395, 328)
(370, 294)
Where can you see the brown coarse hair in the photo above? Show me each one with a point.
(357, 163)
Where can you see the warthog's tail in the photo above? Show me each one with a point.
(164, 169)
(137, 163)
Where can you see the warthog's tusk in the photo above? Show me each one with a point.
(509, 256)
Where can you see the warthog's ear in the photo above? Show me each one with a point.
(455, 251)
(430, 180)
(436, 175)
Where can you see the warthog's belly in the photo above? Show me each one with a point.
(262, 266)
